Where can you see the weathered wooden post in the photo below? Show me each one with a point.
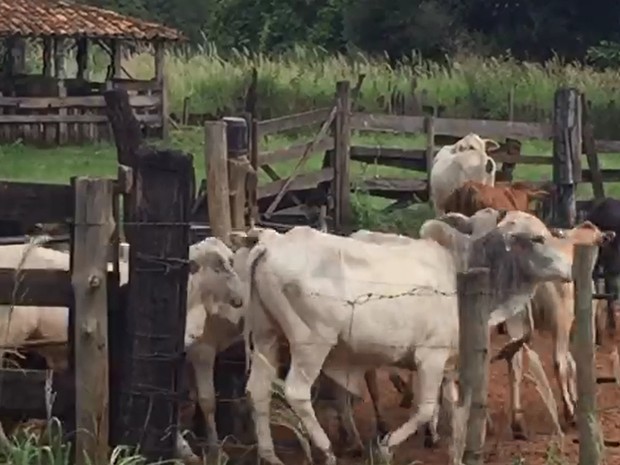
(237, 137)
(157, 229)
(429, 129)
(566, 154)
(94, 225)
(590, 439)
(343, 215)
(473, 295)
(216, 163)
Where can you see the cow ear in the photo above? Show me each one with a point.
(490, 145)
(193, 266)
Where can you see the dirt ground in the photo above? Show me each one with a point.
(500, 448)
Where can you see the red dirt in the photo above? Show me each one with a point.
(500, 448)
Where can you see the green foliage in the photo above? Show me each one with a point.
(605, 54)
(528, 28)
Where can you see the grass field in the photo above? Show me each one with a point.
(57, 165)
(469, 86)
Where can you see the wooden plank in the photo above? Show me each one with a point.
(94, 225)
(473, 290)
(609, 175)
(503, 157)
(22, 393)
(301, 181)
(42, 287)
(492, 128)
(387, 123)
(450, 126)
(394, 188)
(216, 163)
(31, 203)
(152, 120)
(607, 146)
(587, 418)
(293, 152)
(89, 101)
(134, 85)
(413, 159)
(299, 120)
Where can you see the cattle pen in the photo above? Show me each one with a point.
(318, 191)
(132, 333)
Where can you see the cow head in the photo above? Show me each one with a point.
(211, 267)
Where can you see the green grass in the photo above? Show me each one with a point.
(57, 165)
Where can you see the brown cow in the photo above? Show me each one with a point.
(474, 196)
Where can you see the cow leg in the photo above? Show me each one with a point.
(373, 389)
(405, 389)
(349, 433)
(430, 363)
(202, 358)
(263, 373)
(306, 363)
(516, 329)
(561, 369)
(572, 378)
(515, 375)
(184, 451)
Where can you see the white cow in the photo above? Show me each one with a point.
(212, 280)
(346, 307)
(465, 160)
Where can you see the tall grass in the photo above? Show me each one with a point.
(302, 79)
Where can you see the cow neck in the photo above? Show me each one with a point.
(510, 287)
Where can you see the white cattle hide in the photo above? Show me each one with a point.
(347, 307)
(453, 165)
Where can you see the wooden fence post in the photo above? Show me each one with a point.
(590, 439)
(252, 184)
(429, 129)
(157, 211)
(216, 162)
(343, 215)
(94, 225)
(473, 300)
(566, 154)
(237, 153)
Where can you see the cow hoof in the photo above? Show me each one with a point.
(518, 432)
(385, 451)
(382, 429)
(330, 458)
(430, 441)
(406, 401)
(269, 456)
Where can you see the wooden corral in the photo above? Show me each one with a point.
(86, 206)
(52, 108)
(125, 343)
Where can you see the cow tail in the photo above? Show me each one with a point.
(258, 253)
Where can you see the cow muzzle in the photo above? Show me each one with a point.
(608, 236)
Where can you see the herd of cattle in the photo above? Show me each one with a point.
(335, 308)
